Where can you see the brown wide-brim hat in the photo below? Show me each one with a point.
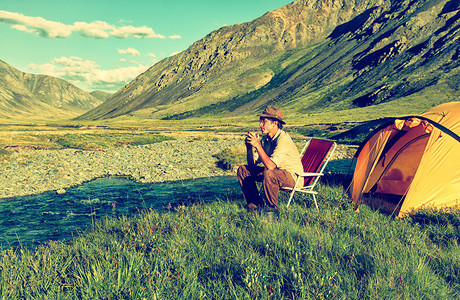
(273, 112)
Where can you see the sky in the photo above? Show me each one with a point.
(104, 44)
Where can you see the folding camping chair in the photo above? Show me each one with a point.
(314, 156)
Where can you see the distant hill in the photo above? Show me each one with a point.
(309, 56)
(101, 95)
(24, 95)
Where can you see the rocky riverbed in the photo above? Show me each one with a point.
(28, 171)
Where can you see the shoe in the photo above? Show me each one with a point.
(271, 214)
(252, 207)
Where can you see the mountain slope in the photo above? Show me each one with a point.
(101, 95)
(311, 55)
(24, 95)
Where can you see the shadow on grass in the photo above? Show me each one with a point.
(337, 179)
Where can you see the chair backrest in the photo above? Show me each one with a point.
(315, 157)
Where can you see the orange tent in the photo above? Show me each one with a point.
(411, 162)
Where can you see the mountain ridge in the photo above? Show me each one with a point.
(377, 61)
(25, 95)
(307, 56)
(199, 73)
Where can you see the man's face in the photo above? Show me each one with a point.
(267, 125)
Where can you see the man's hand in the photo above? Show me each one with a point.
(252, 140)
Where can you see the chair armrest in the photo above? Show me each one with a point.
(309, 174)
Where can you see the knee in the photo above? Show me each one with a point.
(242, 171)
(269, 175)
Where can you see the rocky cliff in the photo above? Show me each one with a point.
(311, 55)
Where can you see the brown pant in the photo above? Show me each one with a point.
(272, 181)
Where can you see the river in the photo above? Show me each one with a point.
(33, 220)
(29, 221)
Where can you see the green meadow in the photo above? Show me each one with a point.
(220, 251)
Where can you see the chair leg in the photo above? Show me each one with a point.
(316, 203)
(290, 198)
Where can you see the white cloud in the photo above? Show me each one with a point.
(87, 74)
(174, 53)
(125, 21)
(175, 37)
(23, 28)
(118, 75)
(47, 69)
(37, 25)
(95, 29)
(75, 62)
(130, 51)
(137, 32)
(153, 57)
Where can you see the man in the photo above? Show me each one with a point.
(274, 161)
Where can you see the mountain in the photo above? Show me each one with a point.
(309, 56)
(24, 95)
(101, 95)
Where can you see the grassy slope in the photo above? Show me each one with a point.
(218, 250)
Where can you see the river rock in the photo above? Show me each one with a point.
(32, 171)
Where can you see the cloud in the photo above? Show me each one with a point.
(175, 37)
(137, 32)
(95, 29)
(125, 21)
(87, 74)
(129, 51)
(36, 25)
(174, 53)
(22, 28)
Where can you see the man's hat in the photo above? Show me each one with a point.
(273, 112)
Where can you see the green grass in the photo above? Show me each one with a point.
(232, 157)
(97, 141)
(219, 251)
(4, 153)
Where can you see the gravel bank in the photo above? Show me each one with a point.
(29, 172)
(35, 171)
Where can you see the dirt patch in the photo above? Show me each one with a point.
(24, 147)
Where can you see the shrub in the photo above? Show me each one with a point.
(232, 157)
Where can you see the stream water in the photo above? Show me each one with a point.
(34, 220)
